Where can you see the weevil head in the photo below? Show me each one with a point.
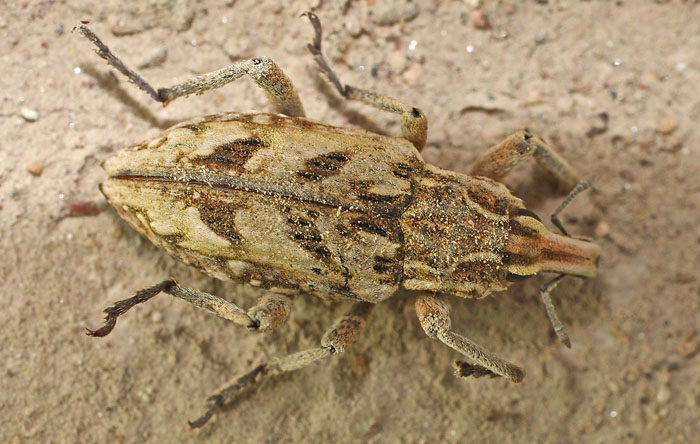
(532, 248)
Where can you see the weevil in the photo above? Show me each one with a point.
(296, 206)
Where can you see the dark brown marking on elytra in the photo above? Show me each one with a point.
(369, 227)
(217, 214)
(220, 220)
(233, 154)
(326, 165)
(321, 251)
(402, 170)
(384, 265)
(310, 236)
(307, 236)
(343, 230)
(308, 176)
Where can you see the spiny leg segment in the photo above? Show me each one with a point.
(277, 86)
(434, 316)
(334, 341)
(414, 125)
(270, 311)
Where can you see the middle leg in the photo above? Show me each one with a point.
(414, 125)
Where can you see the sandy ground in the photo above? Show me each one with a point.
(614, 86)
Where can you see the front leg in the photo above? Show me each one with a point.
(500, 159)
(277, 86)
(434, 316)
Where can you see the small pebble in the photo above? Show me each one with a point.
(663, 395)
(353, 27)
(687, 348)
(84, 208)
(534, 97)
(666, 123)
(480, 20)
(35, 168)
(602, 229)
(413, 73)
(30, 115)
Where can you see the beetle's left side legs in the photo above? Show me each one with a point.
(500, 159)
(336, 340)
(414, 125)
(434, 316)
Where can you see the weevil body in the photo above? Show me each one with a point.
(292, 205)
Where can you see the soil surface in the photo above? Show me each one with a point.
(614, 86)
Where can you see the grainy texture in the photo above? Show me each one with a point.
(632, 374)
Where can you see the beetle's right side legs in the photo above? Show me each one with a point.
(277, 86)
(270, 310)
(434, 316)
(414, 125)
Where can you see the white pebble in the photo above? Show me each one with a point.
(30, 115)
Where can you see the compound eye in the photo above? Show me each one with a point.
(512, 277)
(526, 212)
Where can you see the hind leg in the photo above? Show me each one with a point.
(335, 341)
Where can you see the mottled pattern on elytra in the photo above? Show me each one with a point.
(274, 201)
